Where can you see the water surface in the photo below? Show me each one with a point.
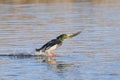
(93, 55)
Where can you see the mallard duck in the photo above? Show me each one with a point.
(53, 44)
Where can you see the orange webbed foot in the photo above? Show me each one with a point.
(52, 54)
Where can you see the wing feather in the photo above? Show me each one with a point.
(49, 45)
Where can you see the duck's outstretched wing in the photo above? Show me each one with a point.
(49, 44)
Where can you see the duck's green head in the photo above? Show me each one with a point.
(65, 36)
(62, 37)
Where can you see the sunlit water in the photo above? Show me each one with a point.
(93, 55)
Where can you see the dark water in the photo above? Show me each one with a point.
(93, 55)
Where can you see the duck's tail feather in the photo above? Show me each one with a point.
(38, 49)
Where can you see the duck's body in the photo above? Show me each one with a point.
(52, 45)
(48, 47)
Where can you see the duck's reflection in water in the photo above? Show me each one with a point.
(58, 67)
(53, 63)
(46, 59)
